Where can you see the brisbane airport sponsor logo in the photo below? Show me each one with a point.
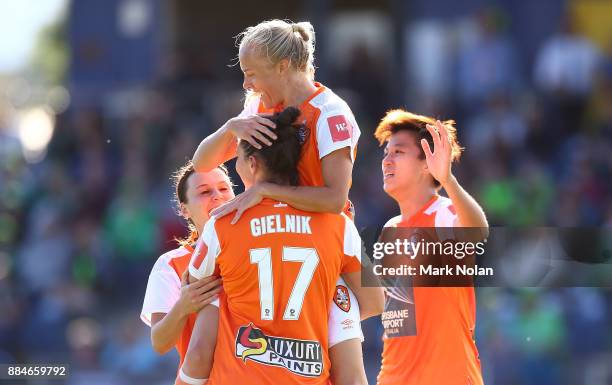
(342, 298)
(302, 357)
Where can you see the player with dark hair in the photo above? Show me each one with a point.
(171, 304)
(442, 351)
(279, 267)
(277, 61)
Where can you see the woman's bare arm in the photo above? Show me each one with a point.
(166, 328)
(371, 299)
(330, 198)
(221, 145)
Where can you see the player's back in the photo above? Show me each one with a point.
(279, 267)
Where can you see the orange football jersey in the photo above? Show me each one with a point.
(330, 125)
(279, 267)
(435, 344)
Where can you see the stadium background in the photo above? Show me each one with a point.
(118, 93)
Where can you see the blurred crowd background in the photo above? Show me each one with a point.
(116, 95)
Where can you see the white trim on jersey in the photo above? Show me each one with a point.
(331, 106)
(336, 117)
(190, 380)
(352, 240)
(163, 286)
(209, 244)
(445, 219)
(343, 326)
(393, 222)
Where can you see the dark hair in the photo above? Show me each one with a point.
(281, 158)
(179, 180)
(401, 120)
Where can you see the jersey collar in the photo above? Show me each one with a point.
(320, 88)
(409, 222)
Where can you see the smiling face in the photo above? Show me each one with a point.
(205, 192)
(262, 77)
(402, 166)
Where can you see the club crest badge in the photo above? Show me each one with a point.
(342, 298)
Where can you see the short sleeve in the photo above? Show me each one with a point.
(351, 261)
(445, 221)
(205, 254)
(393, 222)
(344, 321)
(163, 290)
(336, 129)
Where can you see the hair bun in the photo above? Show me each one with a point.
(288, 116)
(305, 30)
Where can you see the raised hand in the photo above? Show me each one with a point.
(438, 161)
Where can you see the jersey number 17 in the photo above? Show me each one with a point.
(263, 258)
